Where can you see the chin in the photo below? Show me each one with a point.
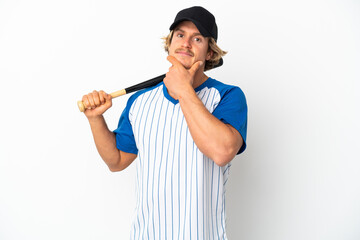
(186, 67)
(186, 64)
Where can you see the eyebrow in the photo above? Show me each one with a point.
(195, 34)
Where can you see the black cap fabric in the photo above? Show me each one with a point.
(202, 18)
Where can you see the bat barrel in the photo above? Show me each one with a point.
(149, 83)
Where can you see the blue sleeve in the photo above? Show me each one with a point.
(232, 110)
(124, 135)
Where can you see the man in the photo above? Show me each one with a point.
(183, 132)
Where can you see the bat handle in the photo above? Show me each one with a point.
(81, 106)
(116, 94)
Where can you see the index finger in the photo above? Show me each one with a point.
(174, 61)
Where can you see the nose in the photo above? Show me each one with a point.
(186, 43)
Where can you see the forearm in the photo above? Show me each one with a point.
(105, 141)
(219, 141)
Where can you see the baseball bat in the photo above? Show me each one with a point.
(142, 85)
(139, 86)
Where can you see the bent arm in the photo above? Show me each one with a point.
(96, 103)
(105, 143)
(217, 140)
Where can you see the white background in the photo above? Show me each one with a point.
(297, 62)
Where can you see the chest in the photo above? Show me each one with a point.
(158, 123)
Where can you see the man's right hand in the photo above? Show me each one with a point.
(96, 103)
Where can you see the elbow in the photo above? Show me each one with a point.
(115, 168)
(222, 161)
(226, 153)
(114, 163)
(112, 169)
(223, 157)
(122, 161)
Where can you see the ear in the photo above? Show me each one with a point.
(209, 54)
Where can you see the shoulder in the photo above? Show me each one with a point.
(226, 89)
(140, 93)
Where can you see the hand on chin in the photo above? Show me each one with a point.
(187, 63)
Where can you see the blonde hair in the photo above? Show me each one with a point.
(218, 53)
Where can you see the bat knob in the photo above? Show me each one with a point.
(81, 106)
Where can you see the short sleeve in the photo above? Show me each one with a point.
(232, 109)
(125, 140)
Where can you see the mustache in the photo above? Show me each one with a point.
(184, 50)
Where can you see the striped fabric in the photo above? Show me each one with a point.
(180, 191)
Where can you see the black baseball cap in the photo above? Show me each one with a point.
(202, 18)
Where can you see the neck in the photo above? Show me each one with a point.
(199, 78)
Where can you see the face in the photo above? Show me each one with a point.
(188, 46)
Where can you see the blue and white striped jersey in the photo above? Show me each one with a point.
(180, 191)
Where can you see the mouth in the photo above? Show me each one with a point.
(184, 52)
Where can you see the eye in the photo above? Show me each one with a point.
(197, 39)
(179, 35)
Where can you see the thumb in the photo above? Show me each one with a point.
(195, 67)
(108, 96)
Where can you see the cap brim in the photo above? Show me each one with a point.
(201, 29)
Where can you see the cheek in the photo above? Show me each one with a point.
(173, 46)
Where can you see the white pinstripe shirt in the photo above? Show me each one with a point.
(180, 191)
